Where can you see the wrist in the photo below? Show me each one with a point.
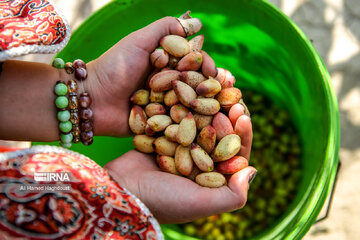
(92, 86)
(79, 78)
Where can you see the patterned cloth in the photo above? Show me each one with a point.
(96, 207)
(31, 26)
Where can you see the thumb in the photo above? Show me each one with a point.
(148, 38)
(239, 184)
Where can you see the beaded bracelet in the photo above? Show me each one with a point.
(74, 110)
(85, 112)
(86, 116)
(63, 115)
(80, 118)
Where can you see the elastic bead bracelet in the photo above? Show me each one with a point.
(85, 113)
(74, 110)
(80, 115)
(63, 115)
(86, 116)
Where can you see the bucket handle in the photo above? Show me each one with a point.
(331, 196)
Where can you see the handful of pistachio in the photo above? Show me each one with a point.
(182, 114)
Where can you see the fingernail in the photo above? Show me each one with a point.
(216, 72)
(251, 177)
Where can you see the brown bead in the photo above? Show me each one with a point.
(80, 74)
(76, 130)
(69, 68)
(76, 139)
(78, 63)
(73, 102)
(72, 86)
(86, 113)
(74, 117)
(86, 126)
(86, 136)
(85, 100)
(87, 143)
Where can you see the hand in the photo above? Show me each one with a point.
(172, 199)
(123, 69)
(175, 199)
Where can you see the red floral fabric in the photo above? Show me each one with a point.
(96, 207)
(30, 26)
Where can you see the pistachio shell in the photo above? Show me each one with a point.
(229, 80)
(202, 160)
(159, 122)
(191, 62)
(137, 120)
(232, 165)
(178, 112)
(175, 45)
(162, 81)
(208, 88)
(148, 131)
(140, 97)
(155, 71)
(156, 97)
(167, 164)
(228, 147)
(191, 25)
(187, 130)
(202, 121)
(221, 74)
(170, 98)
(205, 106)
(173, 61)
(210, 179)
(183, 161)
(207, 138)
(144, 143)
(154, 109)
(159, 58)
(228, 97)
(222, 125)
(184, 92)
(171, 131)
(192, 78)
(164, 146)
(196, 43)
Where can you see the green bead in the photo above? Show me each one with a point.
(63, 116)
(66, 138)
(61, 89)
(65, 126)
(66, 145)
(61, 102)
(58, 63)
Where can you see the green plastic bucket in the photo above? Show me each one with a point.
(265, 51)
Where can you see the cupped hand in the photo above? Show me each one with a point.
(172, 199)
(120, 71)
(176, 199)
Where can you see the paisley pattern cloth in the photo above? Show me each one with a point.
(96, 207)
(31, 26)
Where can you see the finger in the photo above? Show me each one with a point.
(243, 128)
(226, 198)
(208, 65)
(235, 112)
(239, 181)
(148, 38)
